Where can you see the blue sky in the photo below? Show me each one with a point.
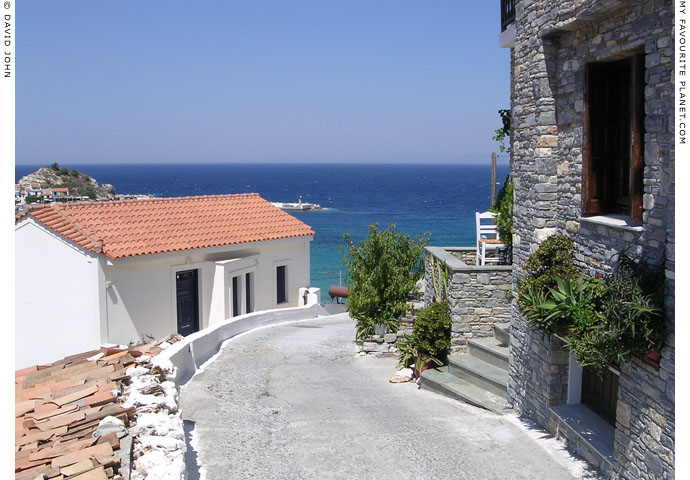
(347, 81)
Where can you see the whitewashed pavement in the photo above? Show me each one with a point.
(296, 401)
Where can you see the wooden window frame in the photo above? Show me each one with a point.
(590, 204)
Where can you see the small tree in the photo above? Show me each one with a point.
(382, 270)
(55, 166)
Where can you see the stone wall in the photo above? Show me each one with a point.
(554, 40)
(478, 296)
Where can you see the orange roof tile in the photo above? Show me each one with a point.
(140, 227)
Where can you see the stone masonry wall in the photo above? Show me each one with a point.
(554, 40)
(478, 296)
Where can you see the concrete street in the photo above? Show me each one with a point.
(296, 401)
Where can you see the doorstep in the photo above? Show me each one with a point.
(586, 433)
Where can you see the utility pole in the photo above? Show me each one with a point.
(493, 179)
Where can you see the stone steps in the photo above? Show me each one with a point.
(490, 350)
(440, 381)
(479, 377)
(480, 373)
(585, 432)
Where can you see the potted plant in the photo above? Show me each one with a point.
(429, 343)
(605, 320)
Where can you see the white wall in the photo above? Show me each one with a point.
(141, 299)
(56, 297)
(188, 355)
(69, 300)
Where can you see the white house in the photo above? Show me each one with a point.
(149, 267)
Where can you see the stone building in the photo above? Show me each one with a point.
(592, 144)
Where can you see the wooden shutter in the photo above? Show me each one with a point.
(637, 167)
(281, 297)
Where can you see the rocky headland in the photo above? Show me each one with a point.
(79, 184)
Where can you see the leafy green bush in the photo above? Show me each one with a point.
(630, 318)
(573, 301)
(605, 320)
(430, 340)
(553, 259)
(504, 209)
(382, 270)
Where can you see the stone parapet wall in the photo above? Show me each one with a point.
(554, 41)
(478, 297)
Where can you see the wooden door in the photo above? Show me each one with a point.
(600, 393)
(187, 287)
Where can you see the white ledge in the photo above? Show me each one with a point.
(620, 222)
(507, 37)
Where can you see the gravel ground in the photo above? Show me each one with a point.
(296, 401)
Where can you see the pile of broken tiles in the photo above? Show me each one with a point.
(69, 418)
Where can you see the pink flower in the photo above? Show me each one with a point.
(556, 287)
(596, 275)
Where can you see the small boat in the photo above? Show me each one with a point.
(300, 205)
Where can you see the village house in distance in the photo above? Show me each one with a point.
(592, 158)
(138, 268)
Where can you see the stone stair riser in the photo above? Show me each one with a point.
(489, 356)
(479, 380)
(439, 388)
(502, 335)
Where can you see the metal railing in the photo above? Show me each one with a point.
(507, 13)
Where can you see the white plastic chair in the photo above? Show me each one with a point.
(489, 244)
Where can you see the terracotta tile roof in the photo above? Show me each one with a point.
(141, 227)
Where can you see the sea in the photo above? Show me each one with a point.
(440, 199)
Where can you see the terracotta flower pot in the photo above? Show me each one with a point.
(653, 358)
(426, 366)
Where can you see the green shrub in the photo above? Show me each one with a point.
(568, 299)
(504, 209)
(605, 320)
(430, 340)
(553, 259)
(630, 318)
(382, 270)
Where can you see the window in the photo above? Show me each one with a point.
(235, 296)
(281, 292)
(248, 292)
(614, 136)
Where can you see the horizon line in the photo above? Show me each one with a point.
(498, 161)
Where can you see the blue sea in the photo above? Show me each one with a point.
(417, 198)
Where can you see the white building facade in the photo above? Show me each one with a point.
(113, 298)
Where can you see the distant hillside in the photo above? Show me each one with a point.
(79, 184)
